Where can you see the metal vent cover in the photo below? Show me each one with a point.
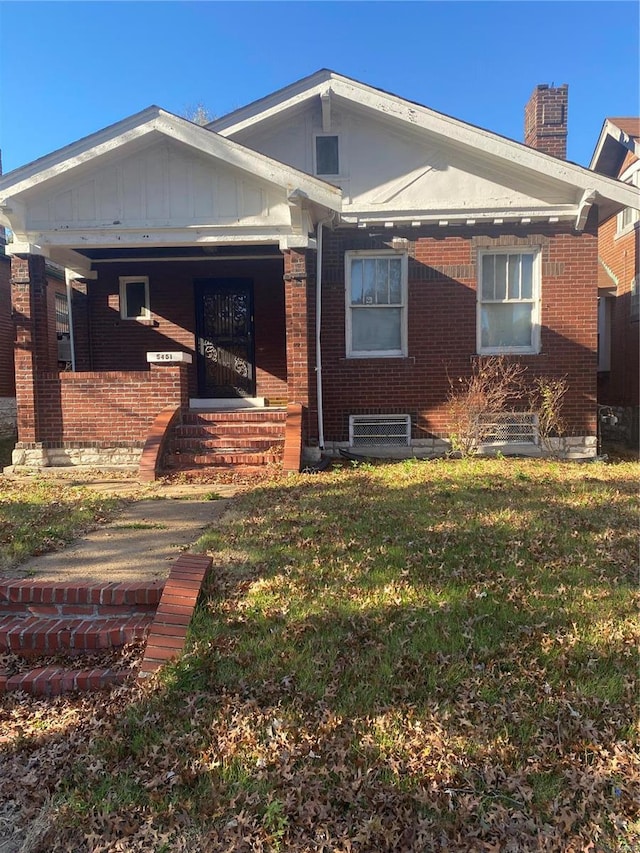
(509, 428)
(379, 430)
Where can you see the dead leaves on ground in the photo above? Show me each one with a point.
(513, 737)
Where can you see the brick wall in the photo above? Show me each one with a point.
(118, 344)
(7, 379)
(442, 326)
(112, 408)
(621, 254)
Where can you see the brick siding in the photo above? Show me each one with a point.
(7, 378)
(111, 408)
(122, 344)
(442, 326)
(621, 254)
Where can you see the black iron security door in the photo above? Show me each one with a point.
(224, 330)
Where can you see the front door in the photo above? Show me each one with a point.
(224, 337)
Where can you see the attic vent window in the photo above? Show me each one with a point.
(379, 430)
(327, 160)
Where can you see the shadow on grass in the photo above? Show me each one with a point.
(406, 662)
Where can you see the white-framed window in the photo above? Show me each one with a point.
(627, 217)
(134, 297)
(326, 154)
(508, 302)
(376, 307)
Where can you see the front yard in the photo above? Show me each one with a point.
(410, 657)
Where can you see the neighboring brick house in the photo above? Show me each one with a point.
(617, 155)
(331, 247)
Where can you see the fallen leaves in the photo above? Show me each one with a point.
(407, 658)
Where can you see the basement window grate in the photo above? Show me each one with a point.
(508, 428)
(379, 430)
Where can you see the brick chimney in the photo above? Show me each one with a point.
(545, 120)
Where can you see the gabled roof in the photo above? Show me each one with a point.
(618, 137)
(610, 195)
(156, 121)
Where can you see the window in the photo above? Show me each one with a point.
(376, 304)
(629, 215)
(63, 332)
(327, 160)
(634, 312)
(134, 298)
(508, 302)
(62, 315)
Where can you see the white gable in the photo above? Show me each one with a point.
(400, 160)
(165, 185)
(386, 169)
(157, 179)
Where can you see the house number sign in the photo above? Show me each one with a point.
(169, 357)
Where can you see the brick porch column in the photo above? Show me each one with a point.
(31, 348)
(299, 281)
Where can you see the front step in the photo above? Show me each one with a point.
(220, 460)
(53, 680)
(35, 636)
(159, 612)
(39, 619)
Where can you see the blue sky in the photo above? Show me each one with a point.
(68, 69)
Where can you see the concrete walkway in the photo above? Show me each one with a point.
(140, 543)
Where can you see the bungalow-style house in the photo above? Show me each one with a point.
(327, 257)
(617, 155)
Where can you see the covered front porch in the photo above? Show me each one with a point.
(187, 260)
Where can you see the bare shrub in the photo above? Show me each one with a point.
(494, 387)
(547, 399)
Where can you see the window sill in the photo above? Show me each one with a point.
(358, 359)
(507, 351)
(141, 321)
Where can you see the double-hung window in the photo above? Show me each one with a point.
(508, 302)
(376, 304)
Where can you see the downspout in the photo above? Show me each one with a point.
(321, 225)
(72, 345)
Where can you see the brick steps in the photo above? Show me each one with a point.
(38, 597)
(247, 439)
(220, 460)
(243, 416)
(69, 621)
(229, 443)
(53, 680)
(35, 636)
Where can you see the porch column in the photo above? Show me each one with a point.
(300, 311)
(31, 349)
(296, 298)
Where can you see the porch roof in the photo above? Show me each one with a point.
(156, 179)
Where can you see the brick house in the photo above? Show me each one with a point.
(617, 155)
(326, 257)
